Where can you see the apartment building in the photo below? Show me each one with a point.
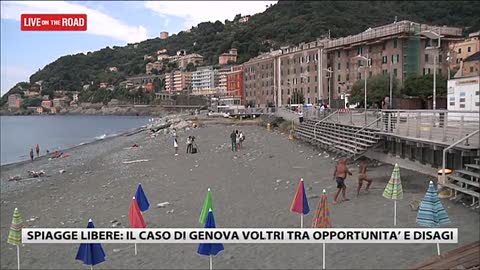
(222, 81)
(15, 101)
(260, 80)
(178, 81)
(278, 77)
(402, 48)
(204, 81)
(226, 58)
(235, 87)
(150, 67)
(459, 51)
(194, 58)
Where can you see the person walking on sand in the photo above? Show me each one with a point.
(31, 154)
(242, 138)
(175, 145)
(233, 138)
(237, 139)
(38, 150)
(189, 144)
(340, 174)
(362, 176)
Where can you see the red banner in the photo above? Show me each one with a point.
(53, 22)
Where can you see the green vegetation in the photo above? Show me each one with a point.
(286, 23)
(422, 86)
(378, 87)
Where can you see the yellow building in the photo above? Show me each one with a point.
(461, 50)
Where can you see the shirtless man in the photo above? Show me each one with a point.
(340, 173)
(362, 176)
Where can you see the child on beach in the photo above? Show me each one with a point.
(362, 176)
(340, 174)
(38, 150)
(31, 154)
(175, 145)
(189, 144)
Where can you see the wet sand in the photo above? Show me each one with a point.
(251, 188)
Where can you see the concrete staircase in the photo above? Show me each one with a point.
(335, 137)
(466, 181)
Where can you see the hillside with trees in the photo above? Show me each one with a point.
(285, 23)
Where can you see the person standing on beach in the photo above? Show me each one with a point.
(362, 176)
(340, 174)
(31, 154)
(233, 138)
(237, 140)
(38, 150)
(175, 145)
(189, 144)
(242, 138)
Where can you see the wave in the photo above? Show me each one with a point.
(101, 137)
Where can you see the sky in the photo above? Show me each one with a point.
(109, 23)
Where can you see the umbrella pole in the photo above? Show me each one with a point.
(395, 213)
(323, 261)
(301, 221)
(438, 249)
(18, 257)
(135, 248)
(211, 262)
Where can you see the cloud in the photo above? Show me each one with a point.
(98, 23)
(194, 12)
(13, 74)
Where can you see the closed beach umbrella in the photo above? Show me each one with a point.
(207, 205)
(431, 212)
(300, 202)
(141, 198)
(90, 254)
(210, 249)
(135, 217)
(322, 218)
(15, 233)
(394, 191)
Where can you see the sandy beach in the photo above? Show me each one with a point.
(251, 188)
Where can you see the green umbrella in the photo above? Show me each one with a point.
(15, 234)
(207, 204)
(394, 191)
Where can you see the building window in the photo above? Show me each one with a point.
(294, 70)
(471, 68)
(384, 59)
(426, 58)
(469, 49)
(428, 71)
(395, 72)
(462, 99)
(316, 78)
(370, 48)
(308, 91)
(395, 43)
(359, 50)
(338, 66)
(308, 79)
(424, 72)
(384, 46)
(462, 94)
(301, 69)
(308, 100)
(316, 89)
(384, 71)
(459, 50)
(440, 58)
(338, 54)
(348, 65)
(398, 58)
(338, 89)
(462, 105)
(348, 77)
(369, 74)
(294, 60)
(308, 68)
(338, 78)
(315, 67)
(348, 53)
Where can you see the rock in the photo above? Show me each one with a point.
(163, 204)
(62, 171)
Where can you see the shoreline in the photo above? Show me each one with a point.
(94, 141)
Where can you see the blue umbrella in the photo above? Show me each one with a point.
(90, 254)
(141, 198)
(210, 249)
(431, 212)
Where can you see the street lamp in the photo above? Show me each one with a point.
(330, 71)
(367, 65)
(433, 35)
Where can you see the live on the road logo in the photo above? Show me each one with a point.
(53, 22)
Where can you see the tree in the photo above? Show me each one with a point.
(190, 67)
(378, 87)
(422, 86)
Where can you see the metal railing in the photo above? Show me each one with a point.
(441, 126)
(323, 120)
(376, 121)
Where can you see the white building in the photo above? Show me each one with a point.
(203, 81)
(463, 94)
